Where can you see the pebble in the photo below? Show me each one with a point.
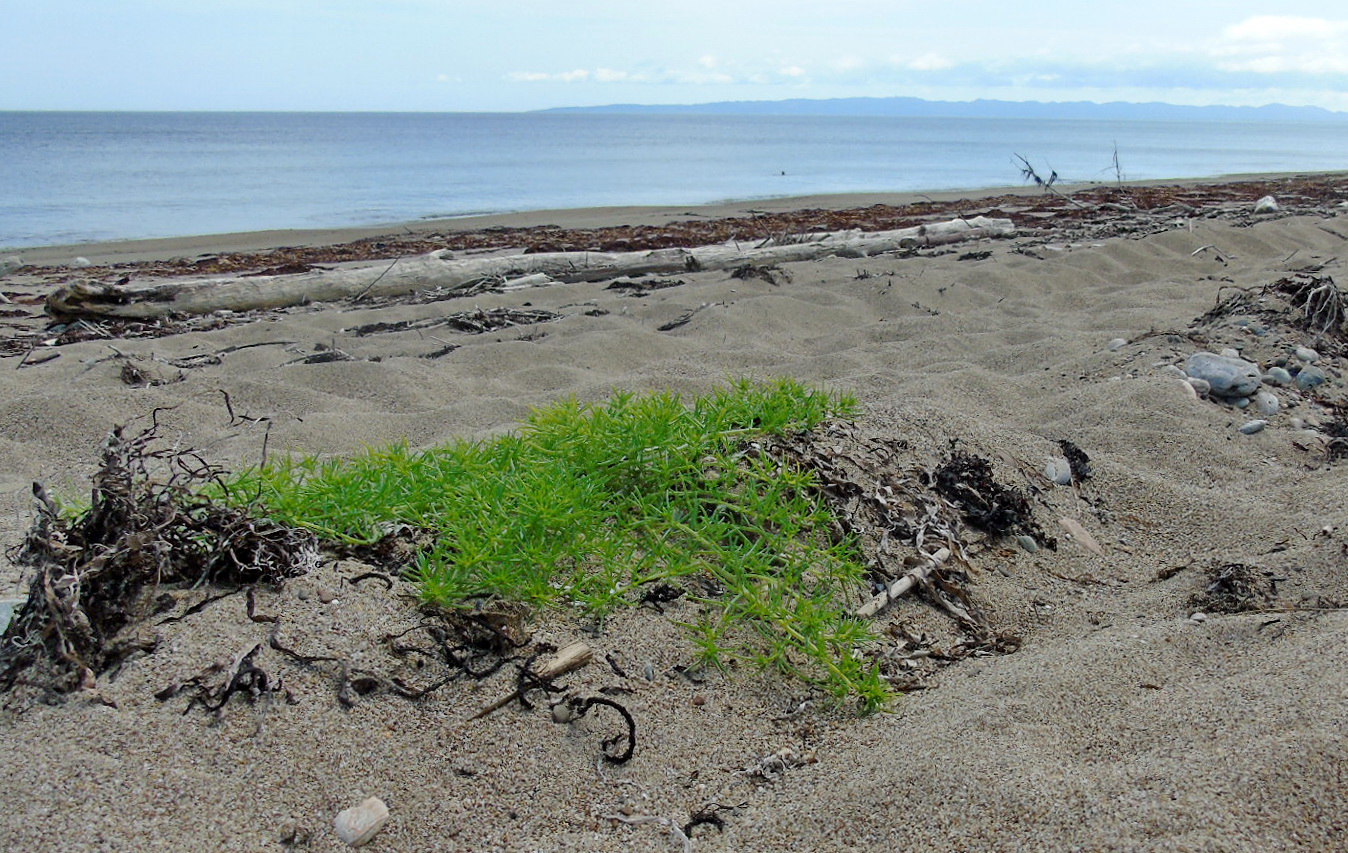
(360, 823)
(1028, 543)
(1229, 353)
(1266, 403)
(10, 263)
(1310, 377)
(1058, 470)
(1117, 344)
(1174, 370)
(1228, 377)
(1199, 616)
(1267, 204)
(82, 262)
(1278, 376)
(1252, 427)
(1306, 354)
(1201, 386)
(327, 595)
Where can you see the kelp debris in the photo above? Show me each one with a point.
(1077, 460)
(1236, 588)
(966, 481)
(148, 527)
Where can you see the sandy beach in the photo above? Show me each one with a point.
(1130, 714)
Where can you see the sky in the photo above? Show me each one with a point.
(455, 55)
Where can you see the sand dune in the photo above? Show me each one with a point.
(1120, 724)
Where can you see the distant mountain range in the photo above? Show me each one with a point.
(917, 107)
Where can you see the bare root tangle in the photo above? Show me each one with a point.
(148, 524)
(1236, 588)
(1322, 304)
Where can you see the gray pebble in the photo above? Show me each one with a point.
(10, 263)
(1252, 427)
(1306, 354)
(1278, 376)
(1310, 377)
(1174, 370)
(1267, 204)
(327, 595)
(1266, 403)
(1028, 544)
(1228, 377)
(1230, 353)
(1117, 344)
(1199, 616)
(1200, 386)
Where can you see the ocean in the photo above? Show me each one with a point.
(84, 177)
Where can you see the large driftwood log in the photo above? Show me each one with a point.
(440, 270)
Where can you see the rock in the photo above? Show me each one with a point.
(1201, 387)
(1267, 204)
(1252, 427)
(358, 824)
(1310, 377)
(1117, 344)
(81, 262)
(1266, 403)
(1278, 376)
(1227, 377)
(1059, 471)
(1198, 617)
(10, 263)
(1028, 543)
(1230, 352)
(1306, 354)
(327, 595)
(1176, 371)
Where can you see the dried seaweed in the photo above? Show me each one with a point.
(1077, 460)
(1236, 588)
(148, 526)
(966, 481)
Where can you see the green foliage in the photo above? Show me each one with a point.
(588, 503)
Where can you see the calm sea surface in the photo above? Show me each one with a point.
(79, 177)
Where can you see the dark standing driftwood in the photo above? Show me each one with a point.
(440, 270)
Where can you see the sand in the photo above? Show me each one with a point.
(1119, 724)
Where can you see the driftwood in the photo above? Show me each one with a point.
(909, 580)
(440, 271)
(571, 658)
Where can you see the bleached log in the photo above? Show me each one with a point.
(571, 658)
(909, 580)
(440, 270)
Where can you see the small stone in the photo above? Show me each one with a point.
(1117, 344)
(1230, 353)
(699, 700)
(327, 595)
(304, 593)
(1199, 617)
(1266, 403)
(1310, 377)
(1174, 370)
(1058, 470)
(360, 823)
(1277, 376)
(1201, 386)
(562, 712)
(1240, 402)
(82, 262)
(1227, 377)
(1028, 544)
(1267, 204)
(1306, 354)
(1252, 427)
(10, 263)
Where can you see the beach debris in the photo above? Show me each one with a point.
(1058, 471)
(966, 481)
(569, 659)
(770, 274)
(147, 530)
(1077, 460)
(1081, 535)
(1236, 588)
(1267, 204)
(912, 578)
(11, 263)
(641, 286)
(475, 322)
(445, 275)
(1252, 427)
(617, 749)
(360, 823)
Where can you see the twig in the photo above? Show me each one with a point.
(901, 586)
(571, 658)
(359, 296)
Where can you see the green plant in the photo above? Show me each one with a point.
(588, 503)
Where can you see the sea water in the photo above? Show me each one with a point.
(80, 177)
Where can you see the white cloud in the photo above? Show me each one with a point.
(1276, 44)
(930, 62)
(793, 71)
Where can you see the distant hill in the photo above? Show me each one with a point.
(917, 107)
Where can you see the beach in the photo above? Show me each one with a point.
(1130, 713)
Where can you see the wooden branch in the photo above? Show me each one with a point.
(441, 271)
(571, 658)
(909, 580)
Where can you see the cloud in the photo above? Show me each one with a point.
(1277, 44)
(930, 62)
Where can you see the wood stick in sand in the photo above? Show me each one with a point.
(909, 580)
(571, 658)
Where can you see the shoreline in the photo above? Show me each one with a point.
(163, 248)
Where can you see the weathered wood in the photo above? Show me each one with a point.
(441, 271)
(572, 657)
(909, 580)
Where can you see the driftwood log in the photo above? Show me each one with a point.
(441, 271)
